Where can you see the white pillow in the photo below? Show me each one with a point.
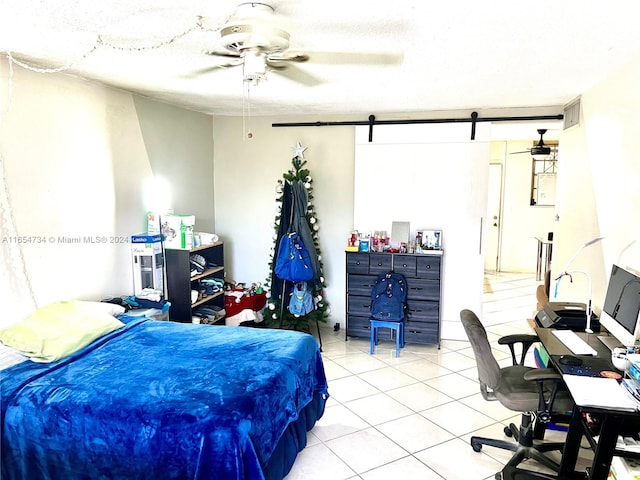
(9, 356)
(104, 307)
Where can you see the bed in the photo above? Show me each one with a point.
(154, 399)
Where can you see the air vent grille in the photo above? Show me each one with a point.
(572, 114)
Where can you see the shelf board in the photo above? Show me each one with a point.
(207, 273)
(206, 298)
(204, 247)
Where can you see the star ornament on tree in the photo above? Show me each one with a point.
(298, 150)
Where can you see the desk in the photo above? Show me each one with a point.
(612, 420)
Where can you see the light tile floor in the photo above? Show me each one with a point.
(412, 417)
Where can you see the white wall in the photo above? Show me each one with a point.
(179, 144)
(74, 164)
(598, 185)
(73, 160)
(245, 177)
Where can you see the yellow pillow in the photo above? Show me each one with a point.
(58, 330)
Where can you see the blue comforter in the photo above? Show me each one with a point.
(159, 400)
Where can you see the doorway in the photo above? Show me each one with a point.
(494, 219)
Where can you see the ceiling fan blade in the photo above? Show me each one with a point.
(351, 58)
(523, 151)
(218, 66)
(297, 57)
(299, 75)
(222, 53)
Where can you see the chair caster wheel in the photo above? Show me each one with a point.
(508, 432)
(498, 476)
(476, 446)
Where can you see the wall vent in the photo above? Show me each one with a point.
(572, 114)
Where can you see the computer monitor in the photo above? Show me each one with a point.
(621, 311)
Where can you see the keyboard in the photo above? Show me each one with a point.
(574, 343)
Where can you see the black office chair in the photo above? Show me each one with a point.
(536, 392)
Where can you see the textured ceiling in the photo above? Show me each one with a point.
(456, 55)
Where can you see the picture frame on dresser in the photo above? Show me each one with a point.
(430, 239)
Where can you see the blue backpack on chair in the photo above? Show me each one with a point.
(389, 297)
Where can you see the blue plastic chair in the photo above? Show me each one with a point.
(398, 326)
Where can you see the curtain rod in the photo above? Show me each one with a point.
(372, 121)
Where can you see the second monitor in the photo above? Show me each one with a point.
(621, 311)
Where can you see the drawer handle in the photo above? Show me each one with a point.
(379, 264)
(357, 263)
(428, 267)
(404, 265)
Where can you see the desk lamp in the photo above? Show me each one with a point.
(565, 272)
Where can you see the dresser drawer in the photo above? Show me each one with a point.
(358, 326)
(428, 266)
(421, 333)
(419, 311)
(360, 284)
(379, 263)
(357, 263)
(405, 265)
(423, 289)
(359, 305)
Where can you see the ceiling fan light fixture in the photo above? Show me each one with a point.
(237, 37)
(540, 153)
(254, 66)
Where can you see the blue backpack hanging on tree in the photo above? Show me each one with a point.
(389, 297)
(301, 301)
(293, 262)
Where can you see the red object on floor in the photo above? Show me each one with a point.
(253, 302)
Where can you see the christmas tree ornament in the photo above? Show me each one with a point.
(312, 220)
(298, 151)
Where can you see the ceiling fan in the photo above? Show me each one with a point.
(251, 39)
(540, 150)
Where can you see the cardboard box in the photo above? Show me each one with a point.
(148, 262)
(178, 231)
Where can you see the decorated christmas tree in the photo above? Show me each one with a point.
(295, 211)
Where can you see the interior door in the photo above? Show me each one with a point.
(494, 219)
(434, 177)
